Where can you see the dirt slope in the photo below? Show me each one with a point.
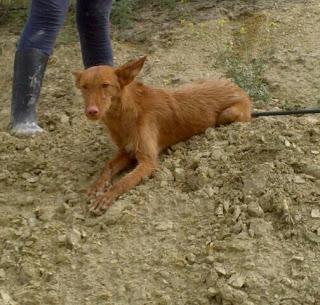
(231, 217)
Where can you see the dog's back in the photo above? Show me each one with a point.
(190, 109)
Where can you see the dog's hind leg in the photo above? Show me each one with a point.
(236, 113)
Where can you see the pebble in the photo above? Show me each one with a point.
(254, 209)
(2, 275)
(219, 210)
(191, 258)
(61, 238)
(164, 225)
(315, 213)
(64, 119)
(233, 295)
(73, 238)
(212, 292)
(217, 154)
(115, 212)
(236, 280)
(236, 213)
(297, 258)
(179, 174)
(226, 205)
(312, 237)
(260, 227)
(212, 278)
(237, 228)
(164, 175)
(220, 268)
(209, 259)
(287, 143)
(299, 180)
(6, 298)
(62, 207)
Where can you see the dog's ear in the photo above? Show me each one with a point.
(77, 76)
(129, 71)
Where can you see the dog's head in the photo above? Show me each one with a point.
(102, 85)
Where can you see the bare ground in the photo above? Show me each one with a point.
(231, 217)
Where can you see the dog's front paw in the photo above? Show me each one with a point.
(98, 187)
(99, 206)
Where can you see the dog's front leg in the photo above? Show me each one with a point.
(112, 167)
(147, 155)
(143, 169)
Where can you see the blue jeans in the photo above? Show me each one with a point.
(46, 17)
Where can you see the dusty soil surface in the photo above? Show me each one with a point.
(231, 217)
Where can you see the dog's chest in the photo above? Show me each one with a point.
(123, 132)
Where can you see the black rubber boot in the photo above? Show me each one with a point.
(29, 68)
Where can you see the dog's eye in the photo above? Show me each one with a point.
(84, 87)
(105, 85)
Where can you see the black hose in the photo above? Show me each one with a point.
(284, 112)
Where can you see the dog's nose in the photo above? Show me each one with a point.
(92, 111)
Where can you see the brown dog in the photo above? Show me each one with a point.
(142, 120)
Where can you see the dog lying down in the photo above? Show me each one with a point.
(142, 120)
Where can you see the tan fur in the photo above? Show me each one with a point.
(143, 120)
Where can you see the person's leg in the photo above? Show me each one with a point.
(93, 26)
(33, 50)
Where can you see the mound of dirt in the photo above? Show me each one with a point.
(231, 217)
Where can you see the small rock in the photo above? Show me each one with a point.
(260, 227)
(299, 180)
(2, 275)
(64, 119)
(175, 80)
(256, 182)
(179, 174)
(164, 226)
(104, 296)
(220, 268)
(209, 259)
(232, 295)
(32, 221)
(297, 258)
(315, 213)
(312, 237)
(115, 212)
(6, 298)
(226, 205)
(73, 238)
(210, 191)
(4, 174)
(72, 198)
(219, 210)
(237, 228)
(61, 239)
(312, 170)
(254, 209)
(164, 174)
(236, 213)
(61, 208)
(212, 292)
(236, 280)
(287, 143)
(217, 154)
(191, 258)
